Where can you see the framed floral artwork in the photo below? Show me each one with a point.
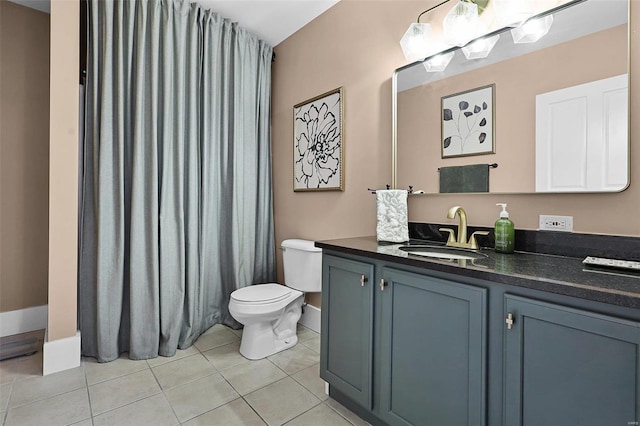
(318, 142)
(468, 121)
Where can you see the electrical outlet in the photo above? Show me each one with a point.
(556, 223)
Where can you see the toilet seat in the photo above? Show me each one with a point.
(261, 294)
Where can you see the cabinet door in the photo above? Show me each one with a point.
(347, 327)
(433, 351)
(569, 367)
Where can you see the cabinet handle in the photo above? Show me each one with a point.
(382, 284)
(363, 280)
(510, 320)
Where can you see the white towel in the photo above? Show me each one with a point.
(393, 222)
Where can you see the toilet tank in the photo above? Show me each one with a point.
(302, 265)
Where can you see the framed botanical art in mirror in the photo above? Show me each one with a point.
(467, 122)
(318, 141)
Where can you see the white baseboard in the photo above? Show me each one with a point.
(61, 354)
(23, 320)
(311, 318)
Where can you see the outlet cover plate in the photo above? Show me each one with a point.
(556, 223)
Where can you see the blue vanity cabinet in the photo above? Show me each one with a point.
(346, 356)
(432, 351)
(565, 366)
(405, 345)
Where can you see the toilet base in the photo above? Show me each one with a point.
(262, 346)
(262, 339)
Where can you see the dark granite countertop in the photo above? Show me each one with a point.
(550, 273)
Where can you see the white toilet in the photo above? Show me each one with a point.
(270, 312)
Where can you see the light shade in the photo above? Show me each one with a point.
(480, 48)
(461, 24)
(512, 13)
(439, 62)
(414, 42)
(532, 30)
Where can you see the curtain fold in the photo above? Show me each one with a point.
(176, 193)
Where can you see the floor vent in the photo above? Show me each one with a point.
(26, 346)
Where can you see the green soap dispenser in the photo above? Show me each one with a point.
(504, 231)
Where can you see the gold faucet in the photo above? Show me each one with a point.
(462, 231)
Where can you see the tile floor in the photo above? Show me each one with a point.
(208, 384)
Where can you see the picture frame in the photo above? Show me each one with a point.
(318, 143)
(468, 122)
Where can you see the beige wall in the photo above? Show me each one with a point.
(63, 169)
(24, 156)
(355, 45)
(517, 82)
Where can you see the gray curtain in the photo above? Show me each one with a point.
(176, 192)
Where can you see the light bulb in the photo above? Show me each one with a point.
(439, 62)
(415, 40)
(461, 24)
(480, 48)
(532, 30)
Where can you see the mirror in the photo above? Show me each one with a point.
(539, 89)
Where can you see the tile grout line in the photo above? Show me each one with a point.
(43, 399)
(162, 391)
(12, 383)
(5, 413)
(170, 406)
(339, 413)
(86, 386)
(303, 413)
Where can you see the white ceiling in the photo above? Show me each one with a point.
(271, 20)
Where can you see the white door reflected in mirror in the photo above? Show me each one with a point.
(581, 137)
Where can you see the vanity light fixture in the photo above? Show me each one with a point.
(439, 62)
(532, 30)
(480, 48)
(461, 25)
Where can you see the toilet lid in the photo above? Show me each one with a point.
(261, 293)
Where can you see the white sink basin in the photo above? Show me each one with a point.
(444, 252)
